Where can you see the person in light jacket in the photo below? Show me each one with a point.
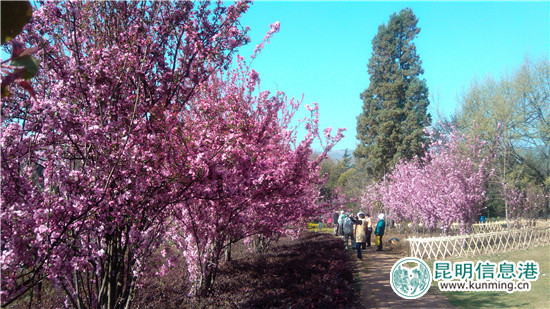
(379, 232)
(360, 233)
(341, 220)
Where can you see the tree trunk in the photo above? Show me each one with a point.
(228, 251)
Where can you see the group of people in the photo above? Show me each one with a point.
(359, 230)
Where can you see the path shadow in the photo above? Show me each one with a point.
(376, 291)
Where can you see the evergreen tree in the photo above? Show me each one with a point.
(395, 104)
(347, 160)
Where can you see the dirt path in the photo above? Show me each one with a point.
(376, 292)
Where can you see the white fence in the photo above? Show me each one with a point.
(492, 226)
(502, 240)
(503, 225)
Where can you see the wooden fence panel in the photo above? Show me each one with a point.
(479, 244)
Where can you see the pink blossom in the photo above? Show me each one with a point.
(143, 139)
(99, 165)
(445, 186)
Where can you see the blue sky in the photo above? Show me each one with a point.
(323, 48)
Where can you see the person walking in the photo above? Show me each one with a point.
(341, 219)
(369, 229)
(335, 222)
(360, 233)
(379, 232)
(347, 227)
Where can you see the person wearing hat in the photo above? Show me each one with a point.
(379, 232)
(360, 233)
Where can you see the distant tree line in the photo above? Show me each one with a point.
(509, 115)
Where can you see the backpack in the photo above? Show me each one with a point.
(348, 226)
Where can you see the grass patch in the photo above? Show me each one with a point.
(538, 297)
(314, 227)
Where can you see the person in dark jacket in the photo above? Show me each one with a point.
(348, 230)
(369, 230)
(335, 222)
(379, 232)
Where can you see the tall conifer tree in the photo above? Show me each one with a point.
(395, 104)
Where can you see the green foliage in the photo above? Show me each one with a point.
(345, 182)
(29, 63)
(520, 103)
(23, 66)
(328, 168)
(15, 15)
(334, 170)
(391, 126)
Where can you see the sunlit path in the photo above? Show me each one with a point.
(376, 292)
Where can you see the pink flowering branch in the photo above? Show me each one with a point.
(447, 185)
(90, 173)
(252, 180)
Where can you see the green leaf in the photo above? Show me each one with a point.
(5, 91)
(15, 15)
(29, 63)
